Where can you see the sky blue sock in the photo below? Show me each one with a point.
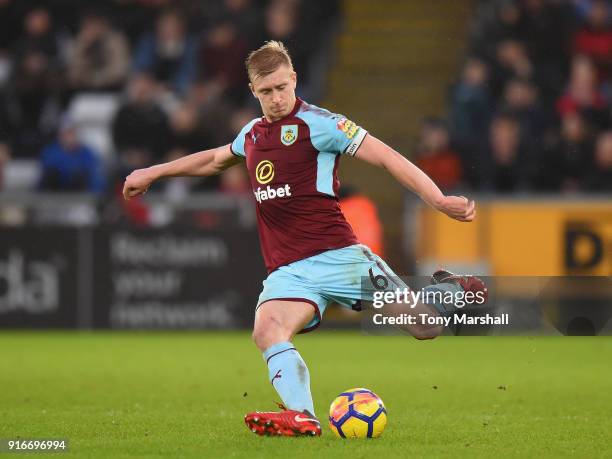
(289, 376)
(438, 291)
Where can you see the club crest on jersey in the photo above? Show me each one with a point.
(289, 134)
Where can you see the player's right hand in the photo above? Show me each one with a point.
(137, 183)
(458, 207)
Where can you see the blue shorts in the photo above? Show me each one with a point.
(345, 276)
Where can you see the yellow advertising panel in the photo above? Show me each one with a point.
(526, 238)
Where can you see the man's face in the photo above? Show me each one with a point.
(276, 92)
(68, 138)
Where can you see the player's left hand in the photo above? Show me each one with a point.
(459, 208)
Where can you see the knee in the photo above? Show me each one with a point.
(428, 333)
(259, 337)
(268, 331)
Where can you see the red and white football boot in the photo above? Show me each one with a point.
(286, 423)
(467, 282)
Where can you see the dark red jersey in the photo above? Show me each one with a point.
(292, 165)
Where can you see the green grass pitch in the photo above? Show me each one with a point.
(117, 394)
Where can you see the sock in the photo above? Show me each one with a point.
(289, 376)
(439, 298)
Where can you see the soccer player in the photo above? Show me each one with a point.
(310, 251)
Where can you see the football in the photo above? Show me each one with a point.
(357, 413)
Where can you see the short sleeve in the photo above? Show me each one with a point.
(349, 136)
(237, 146)
(332, 133)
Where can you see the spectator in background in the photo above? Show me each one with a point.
(594, 39)
(321, 15)
(40, 37)
(512, 61)
(222, 58)
(360, 211)
(583, 94)
(9, 32)
(68, 165)
(583, 8)
(470, 113)
(100, 56)
(36, 82)
(6, 126)
(507, 170)
(170, 54)
(281, 23)
(566, 160)
(134, 17)
(528, 43)
(435, 156)
(224, 130)
(86, 48)
(188, 136)
(245, 15)
(520, 98)
(141, 131)
(496, 21)
(214, 112)
(599, 179)
(9, 27)
(546, 33)
(235, 181)
(5, 156)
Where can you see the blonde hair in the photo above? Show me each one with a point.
(267, 59)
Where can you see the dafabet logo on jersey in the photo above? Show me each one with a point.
(289, 134)
(264, 173)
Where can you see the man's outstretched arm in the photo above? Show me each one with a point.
(378, 153)
(203, 163)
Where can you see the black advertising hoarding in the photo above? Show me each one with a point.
(128, 279)
(40, 282)
(176, 279)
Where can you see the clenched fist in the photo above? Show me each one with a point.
(458, 207)
(138, 182)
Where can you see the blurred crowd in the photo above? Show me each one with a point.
(92, 90)
(531, 110)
